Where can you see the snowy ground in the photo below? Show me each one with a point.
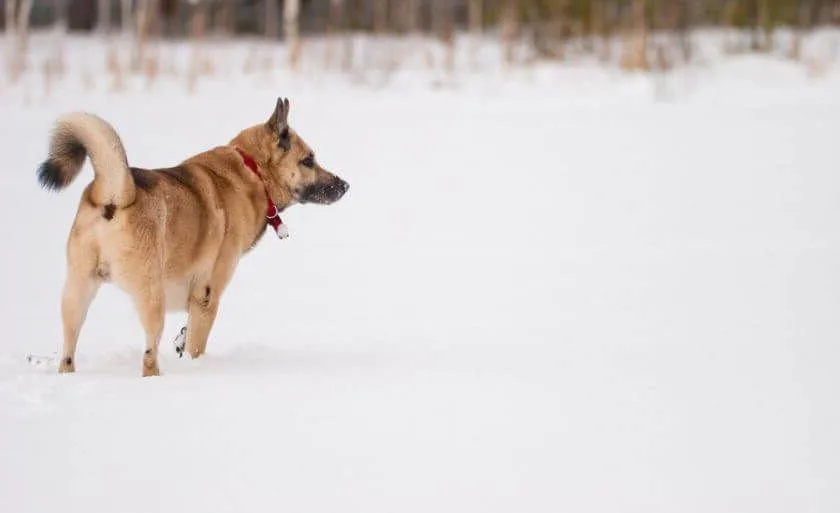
(529, 301)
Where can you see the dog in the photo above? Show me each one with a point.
(172, 237)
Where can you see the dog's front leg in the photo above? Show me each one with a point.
(204, 302)
(202, 314)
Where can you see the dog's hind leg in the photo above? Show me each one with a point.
(151, 306)
(80, 287)
(79, 291)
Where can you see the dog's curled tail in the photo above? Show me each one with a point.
(76, 136)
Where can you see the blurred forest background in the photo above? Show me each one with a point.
(632, 34)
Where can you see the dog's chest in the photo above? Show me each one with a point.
(176, 295)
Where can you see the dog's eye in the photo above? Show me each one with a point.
(308, 161)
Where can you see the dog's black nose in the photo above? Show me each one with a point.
(339, 188)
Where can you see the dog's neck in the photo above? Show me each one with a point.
(252, 141)
(272, 213)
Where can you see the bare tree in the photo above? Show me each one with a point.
(9, 19)
(54, 64)
(103, 16)
(550, 27)
(685, 25)
(634, 56)
(272, 15)
(475, 14)
(510, 28)
(730, 10)
(347, 53)
(762, 32)
(198, 27)
(291, 15)
(142, 27)
(17, 30)
(601, 29)
(57, 61)
(444, 28)
(380, 16)
(412, 12)
(335, 24)
(125, 16)
(224, 19)
(804, 21)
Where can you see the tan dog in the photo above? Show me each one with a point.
(172, 237)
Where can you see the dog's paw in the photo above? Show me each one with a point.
(151, 370)
(150, 364)
(67, 365)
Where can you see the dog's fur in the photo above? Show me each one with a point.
(172, 238)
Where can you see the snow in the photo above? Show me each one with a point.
(545, 293)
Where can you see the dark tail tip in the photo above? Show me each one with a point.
(66, 157)
(50, 176)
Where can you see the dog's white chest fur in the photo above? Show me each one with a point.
(176, 295)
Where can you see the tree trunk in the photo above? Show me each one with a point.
(225, 24)
(804, 22)
(20, 37)
(291, 13)
(559, 29)
(24, 12)
(141, 32)
(54, 63)
(380, 16)
(125, 15)
(335, 19)
(103, 16)
(412, 8)
(272, 15)
(60, 35)
(340, 10)
(334, 25)
(635, 45)
(145, 24)
(9, 17)
(762, 35)
(197, 28)
(596, 25)
(602, 10)
(356, 14)
(685, 28)
(510, 28)
(475, 15)
(731, 43)
(445, 30)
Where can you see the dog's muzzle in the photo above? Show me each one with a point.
(325, 193)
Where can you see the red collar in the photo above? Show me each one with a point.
(272, 214)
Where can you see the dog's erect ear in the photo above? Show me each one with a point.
(279, 123)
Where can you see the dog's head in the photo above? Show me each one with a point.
(292, 173)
